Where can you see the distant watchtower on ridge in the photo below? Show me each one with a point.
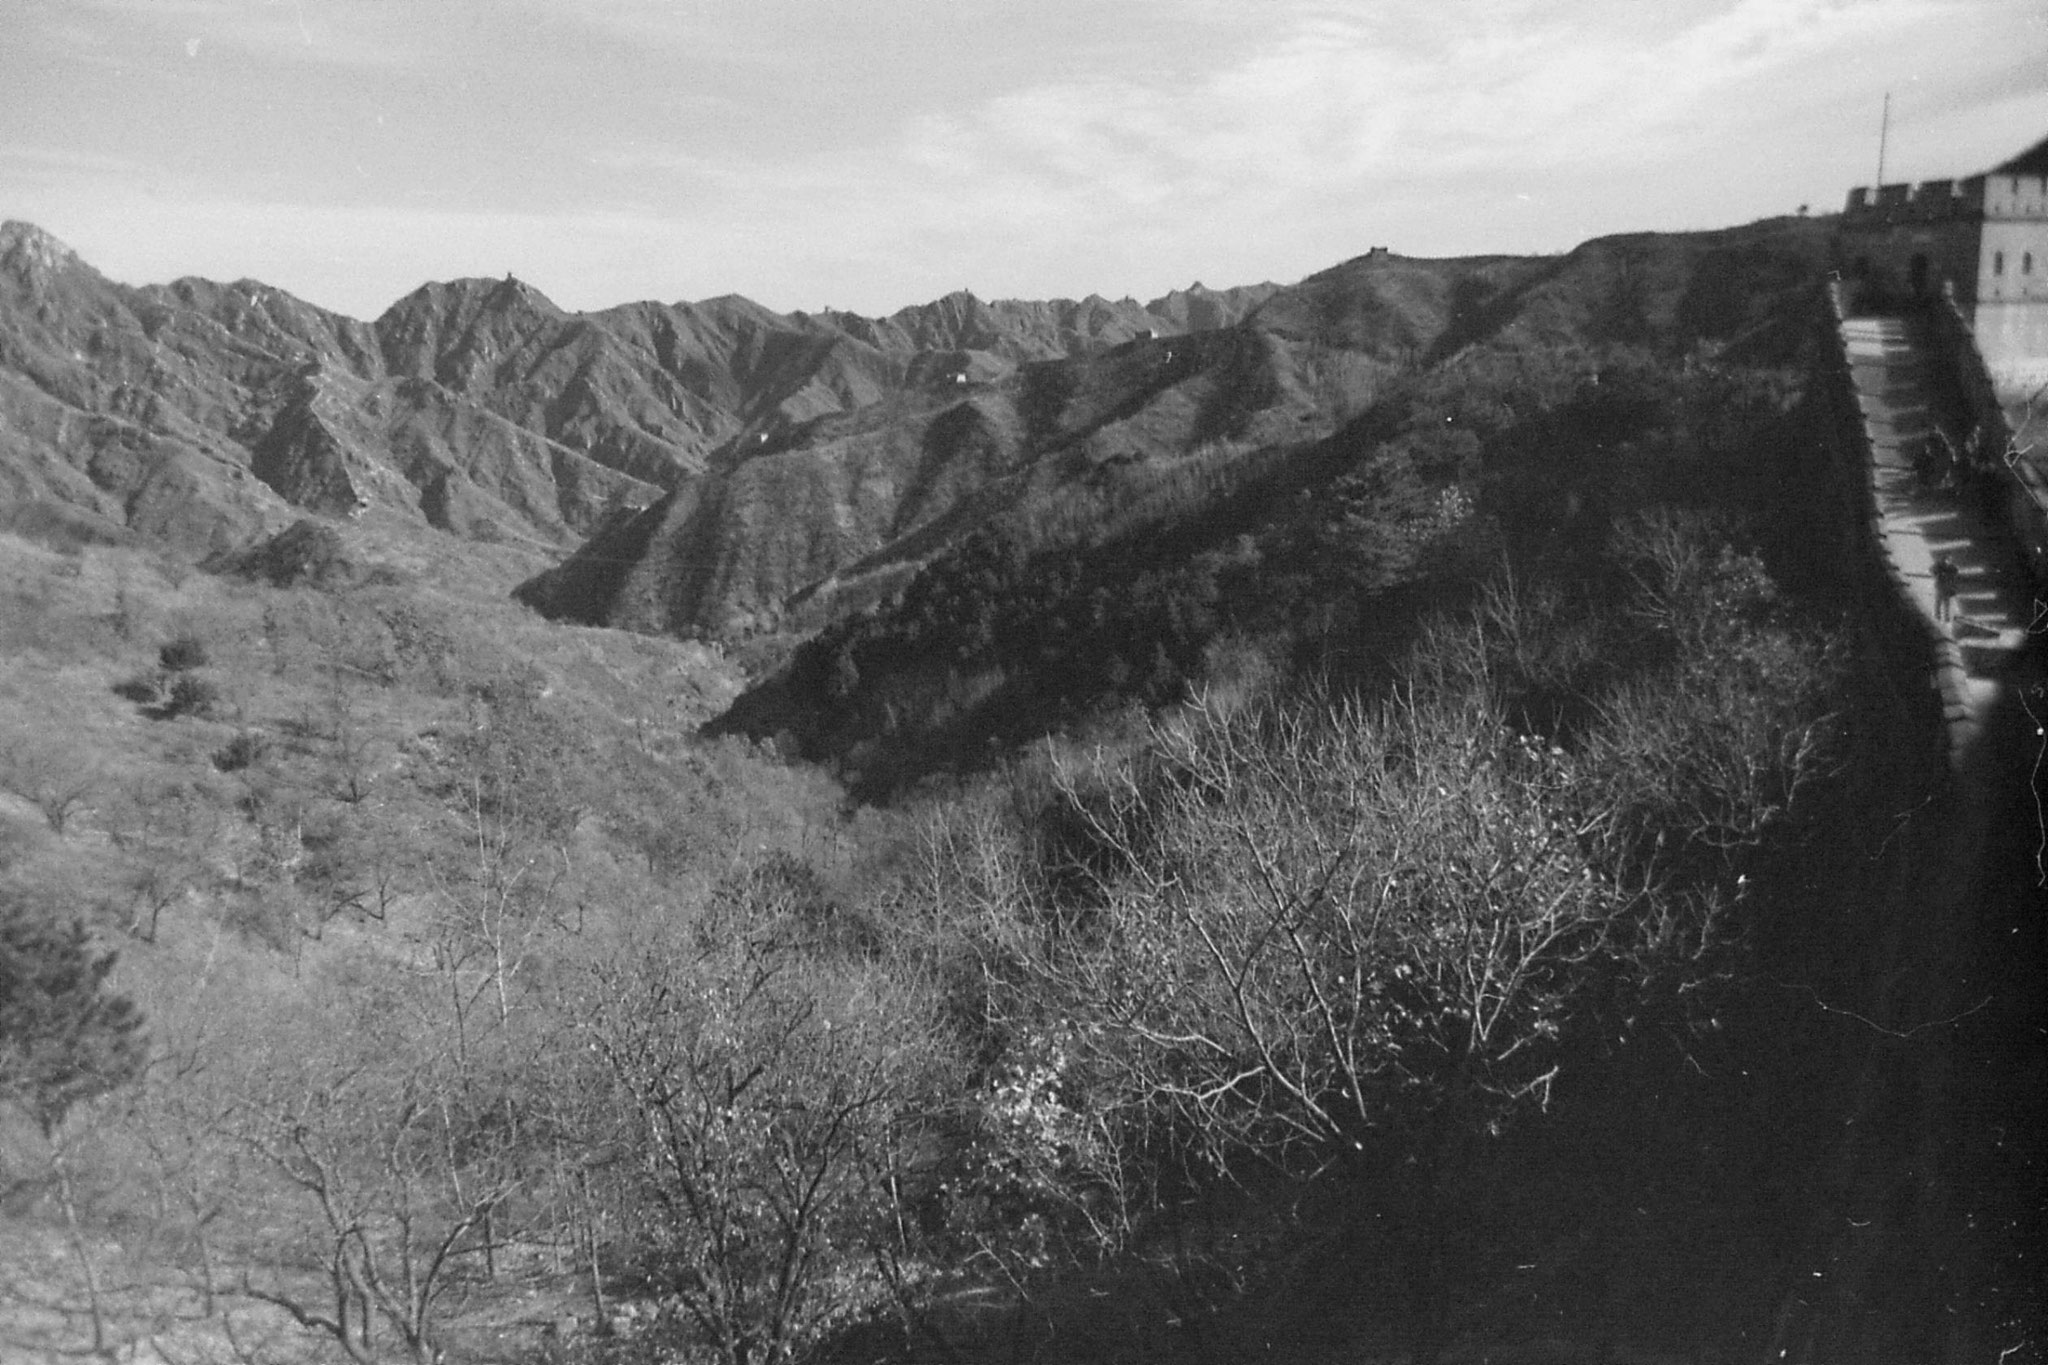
(1985, 238)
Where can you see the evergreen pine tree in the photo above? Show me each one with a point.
(64, 1037)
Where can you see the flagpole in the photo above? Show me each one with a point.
(1884, 129)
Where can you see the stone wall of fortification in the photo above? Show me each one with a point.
(1889, 605)
(1878, 256)
(2013, 338)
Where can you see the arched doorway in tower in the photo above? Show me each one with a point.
(1917, 275)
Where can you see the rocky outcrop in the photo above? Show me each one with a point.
(303, 460)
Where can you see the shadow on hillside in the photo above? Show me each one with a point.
(1478, 311)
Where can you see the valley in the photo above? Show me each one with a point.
(1394, 814)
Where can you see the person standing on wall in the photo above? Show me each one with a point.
(1947, 577)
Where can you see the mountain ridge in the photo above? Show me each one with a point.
(207, 414)
(764, 473)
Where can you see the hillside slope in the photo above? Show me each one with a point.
(1071, 423)
(1360, 444)
(737, 471)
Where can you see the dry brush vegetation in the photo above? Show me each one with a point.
(491, 1015)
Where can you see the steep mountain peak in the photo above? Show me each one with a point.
(957, 303)
(958, 306)
(512, 292)
(29, 252)
(17, 236)
(473, 295)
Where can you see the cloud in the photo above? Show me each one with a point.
(1263, 148)
(1334, 97)
(1341, 123)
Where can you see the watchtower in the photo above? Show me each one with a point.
(1984, 238)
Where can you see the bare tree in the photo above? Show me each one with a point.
(1307, 925)
(368, 859)
(64, 1166)
(496, 901)
(1312, 934)
(1690, 764)
(760, 1086)
(58, 778)
(379, 1138)
(1043, 1173)
(167, 835)
(183, 1122)
(1297, 935)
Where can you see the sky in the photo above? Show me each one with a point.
(871, 154)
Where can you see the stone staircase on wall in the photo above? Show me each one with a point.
(1976, 653)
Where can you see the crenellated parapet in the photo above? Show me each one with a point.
(1974, 199)
(1930, 201)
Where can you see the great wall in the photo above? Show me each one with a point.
(1938, 338)
(1916, 389)
(1927, 458)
